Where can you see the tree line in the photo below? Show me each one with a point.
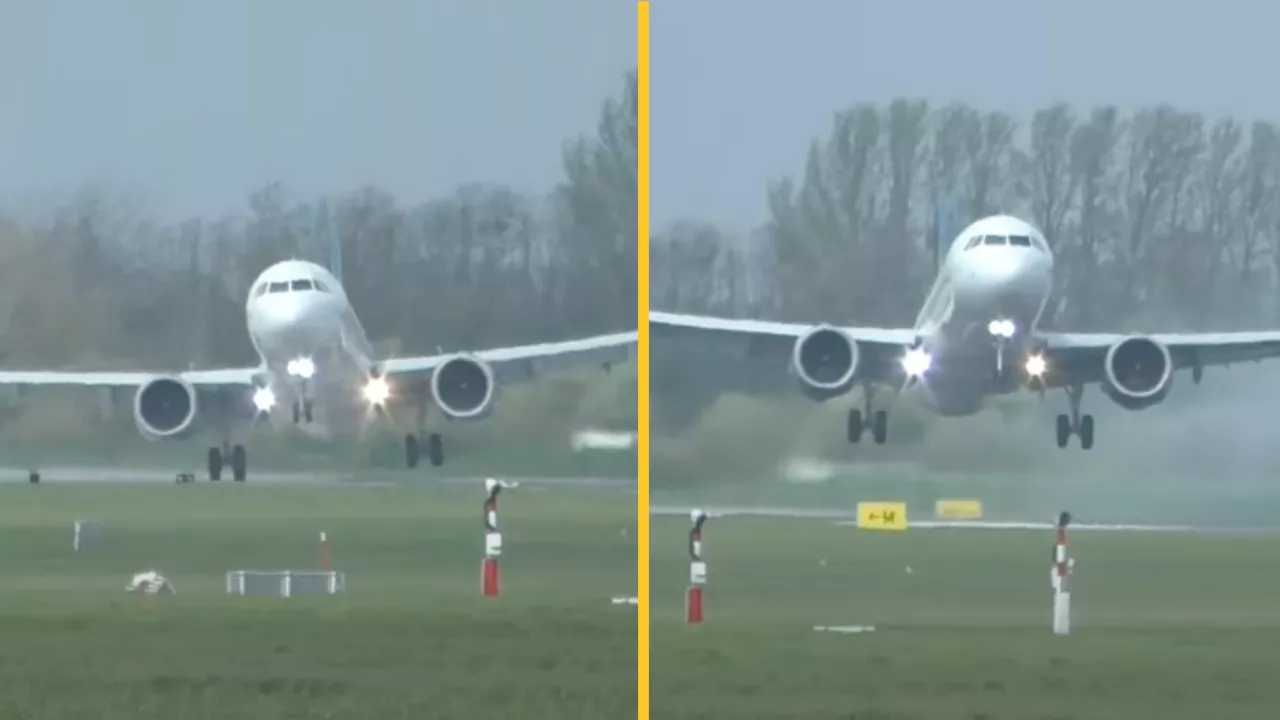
(1160, 218)
(96, 283)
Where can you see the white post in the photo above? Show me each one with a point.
(240, 581)
(286, 585)
(1062, 566)
(75, 538)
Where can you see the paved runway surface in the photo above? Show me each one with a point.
(54, 475)
(845, 517)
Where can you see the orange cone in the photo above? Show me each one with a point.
(489, 585)
(693, 605)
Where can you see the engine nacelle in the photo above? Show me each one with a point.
(825, 361)
(463, 388)
(1139, 373)
(165, 408)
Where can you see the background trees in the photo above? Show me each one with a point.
(1159, 218)
(96, 283)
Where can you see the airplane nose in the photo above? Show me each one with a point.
(282, 320)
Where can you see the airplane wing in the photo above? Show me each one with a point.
(527, 361)
(880, 349)
(73, 378)
(1078, 357)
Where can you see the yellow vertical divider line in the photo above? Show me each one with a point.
(642, 359)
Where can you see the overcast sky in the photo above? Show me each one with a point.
(740, 88)
(191, 104)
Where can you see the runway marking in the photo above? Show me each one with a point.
(848, 518)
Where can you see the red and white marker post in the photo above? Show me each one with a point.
(490, 585)
(326, 559)
(697, 570)
(1062, 566)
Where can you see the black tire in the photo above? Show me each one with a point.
(215, 464)
(1086, 432)
(412, 451)
(306, 411)
(435, 449)
(297, 414)
(854, 427)
(239, 463)
(880, 426)
(1063, 430)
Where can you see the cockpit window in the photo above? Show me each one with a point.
(1020, 240)
(994, 240)
(277, 287)
(297, 285)
(974, 242)
(260, 290)
(321, 286)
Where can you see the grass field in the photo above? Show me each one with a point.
(1165, 626)
(411, 638)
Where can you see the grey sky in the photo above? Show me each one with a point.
(189, 105)
(740, 88)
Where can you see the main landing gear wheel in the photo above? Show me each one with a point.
(411, 451)
(879, 426)
(302, 412)
(239, 463)
(1075, 423)
(215, 464)
(435, 449)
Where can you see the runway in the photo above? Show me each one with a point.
(849, 519)
(87, 474)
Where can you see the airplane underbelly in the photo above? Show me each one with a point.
(956, 382)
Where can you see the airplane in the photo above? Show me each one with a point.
(315, 358)
(977, 334)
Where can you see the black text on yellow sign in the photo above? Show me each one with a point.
(882, 516)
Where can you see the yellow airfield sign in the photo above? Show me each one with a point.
(882, 516)
(958, 509)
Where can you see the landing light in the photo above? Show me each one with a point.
(916, 362)
(264, 399)
(303, 367)
(376, 391)
(1002, 328)
(1036, 366)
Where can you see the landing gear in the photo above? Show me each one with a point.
(413, 450)
(302, 411)
(239, 463)
(435, 449)
(1075, 423)
(215, 464)
(858, 421)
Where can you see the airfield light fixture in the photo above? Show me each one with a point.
(377, 391)
(264, 399)
(916, 362)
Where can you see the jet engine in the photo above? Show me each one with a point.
(165, 408)
(825, 361)
(1139, 373)
(463, 388)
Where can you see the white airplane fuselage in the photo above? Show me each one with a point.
(976, 285)
(310, 344)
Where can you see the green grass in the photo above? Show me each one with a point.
(1165, 626)
(411, 638)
